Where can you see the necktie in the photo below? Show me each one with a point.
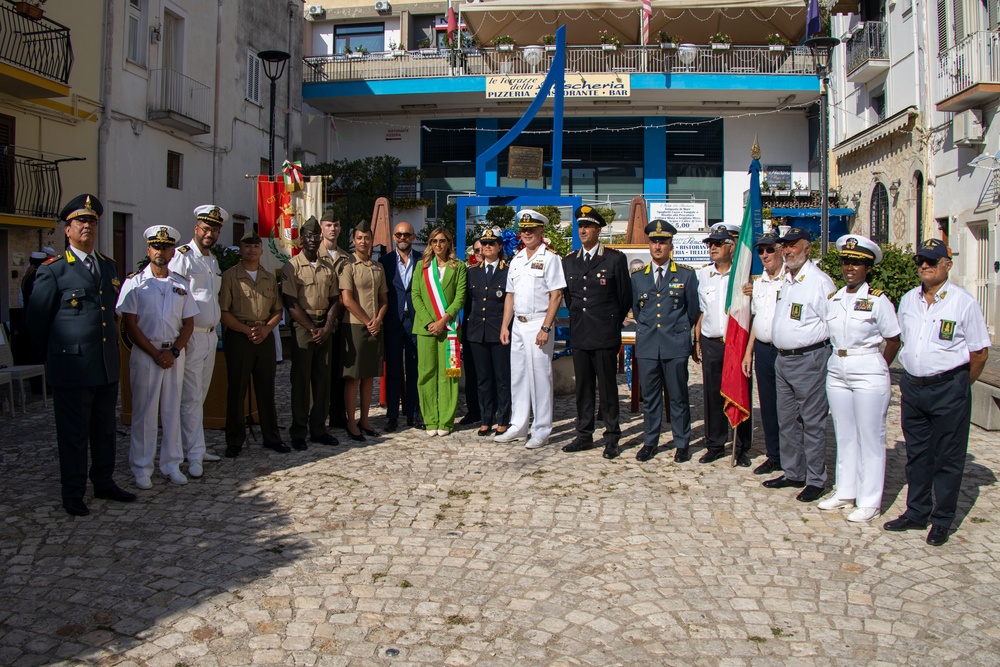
(489, 272)
(659, 277)
(92, 267)
(586, 258)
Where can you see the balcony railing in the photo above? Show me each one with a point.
(39, 46)
(427, 63)
(974, 60)
(871, 42)
(28, 185)
(179, 101)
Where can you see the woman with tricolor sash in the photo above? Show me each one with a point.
(438, 295)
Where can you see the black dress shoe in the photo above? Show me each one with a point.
(783, 483)
(712, 455)
(645, 453)
(369, 431)
(767, 467)
(484, 431)
(325, 439)
(114, 493)
(469, 419)
(610, 450)
(903, 523)
(810, 493)
(232, 452)
(75, 507)
(409, 421)
(299, 445)
(579, 444)
(279, 447)
(937, 536)
(356, 437)
(391, 425)
(743, 460)
(682, 455)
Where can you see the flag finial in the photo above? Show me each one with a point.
(755, 150)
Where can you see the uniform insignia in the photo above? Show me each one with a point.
(499, 292)
(184, 249)
(864, 305)
(538, 264)
(74, 303)
(70, 257)
(876, 292)
(130, 275)
(832, 294)
(947, 331)
(603, 281)
(116, 283)
(180, 290)
(796, 313)
(52, 259)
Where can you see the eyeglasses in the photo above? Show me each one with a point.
(438, 241)
(769, 249)
(402, 235)
(920, 261)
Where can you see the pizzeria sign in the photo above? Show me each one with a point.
(506, 87)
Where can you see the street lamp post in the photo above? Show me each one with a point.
(821, 48)
(274, 67)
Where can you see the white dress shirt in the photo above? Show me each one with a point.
(159, 305)
(531, 281)
(800, 313)
(204, 278)
(941, 336)
(859, 322)
(713, 288)
(762, 303)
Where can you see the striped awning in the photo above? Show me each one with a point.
(904, 120)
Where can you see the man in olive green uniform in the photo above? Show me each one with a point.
(329, 226)
(251, 310)
(310, 291)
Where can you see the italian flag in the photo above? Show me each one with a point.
(735, 386)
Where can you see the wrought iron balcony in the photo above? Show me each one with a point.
(969, 73)
(687, 58)
(179, 101)
(868, 51)
(39, 47)
(29, 185)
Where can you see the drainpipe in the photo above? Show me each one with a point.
(107, 240)
(215, 100)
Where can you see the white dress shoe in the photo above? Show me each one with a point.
(209, 456)
(863, 514)
(176, 477)
(835, 504)
(536, 443)
(195, 469)
(442, 431)
(508, 436)
(143, 482)
(431, 432)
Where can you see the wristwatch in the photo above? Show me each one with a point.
(175, 352)
(547, 329)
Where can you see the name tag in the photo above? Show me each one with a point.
(863, 304)
(796, 312)
(947, 330)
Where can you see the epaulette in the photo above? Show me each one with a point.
(131, 274)
(502, 265)
(832, 294)
(52, 259)
(180, 276)
(684, 266)
(103, 257)
(876, 292)
(184, 249)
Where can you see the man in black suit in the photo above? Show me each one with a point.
(400, 342)
(598, 294)
(71, 317)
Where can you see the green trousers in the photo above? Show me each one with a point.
(438, 393)
(310, 376)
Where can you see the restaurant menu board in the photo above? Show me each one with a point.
(685, 216)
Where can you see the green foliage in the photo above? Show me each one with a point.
(226, 256)
(500, 216)
(353, 186)
(895, 275)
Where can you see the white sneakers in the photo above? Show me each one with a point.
(442, 431)
(195, 469)
(508, 436)
(835, 504)
(863, 514)
(536, 443)
(177, 477)
(431, 432)
(143, 482)
(209, 456)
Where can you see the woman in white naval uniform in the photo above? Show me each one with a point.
(857, 383)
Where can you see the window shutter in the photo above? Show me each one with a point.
(959, 17)
(942, 20)
(994, 14)
(253, 78)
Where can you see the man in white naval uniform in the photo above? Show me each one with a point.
(158, 313)
(198, 265)
(535, 281)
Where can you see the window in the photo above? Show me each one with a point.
(253, 78)
(175, 164)
(369, 36)
(878, 214)
(136, 29)
(878, 107)
(265, 166)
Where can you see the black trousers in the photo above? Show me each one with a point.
(400, 368)
(653, 375)
(245, 360)
(602, 366)
(716, 422)
(765, 356)
(935, 420)
(471, 373)
(492, 363)
(338, 413)
(85, 419)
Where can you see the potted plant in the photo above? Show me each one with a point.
(426, 48)
(609, 40)
(720, 41)
(504, 43)
(30, 10)
(395, 51)
(764, 187)
(801, 190)
(777, 43)
(549, 41)
(668, 41)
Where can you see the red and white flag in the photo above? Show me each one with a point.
(735, 385)
(452, 22)
(647, 14)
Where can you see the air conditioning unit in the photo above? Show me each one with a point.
(383, 6)
(316, 10)
(967, 127)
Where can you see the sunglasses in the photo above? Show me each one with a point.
(851, 261)
(161, 246)
(488, 243)
(715, 244)
(920, 261)
(402, 235)
(438, 241)
(769, 249)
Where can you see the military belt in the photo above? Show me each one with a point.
(936, 379)
(856, 352)
(253, 323)
(798, 352)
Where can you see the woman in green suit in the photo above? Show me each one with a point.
(438, 294)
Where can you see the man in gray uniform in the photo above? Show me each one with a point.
(665, 307)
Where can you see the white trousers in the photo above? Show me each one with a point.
(199, 363)
(156, 392)
(530, 379)
(858, 389)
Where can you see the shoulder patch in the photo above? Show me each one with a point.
(184, 249)
(131, 274)
(832, 294)
(52, 259)
(180, 276)
(876, 292)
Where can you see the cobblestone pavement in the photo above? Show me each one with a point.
(408, 550)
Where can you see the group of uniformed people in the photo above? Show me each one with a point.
(813, 348)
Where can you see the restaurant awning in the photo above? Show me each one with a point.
(898, 122)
